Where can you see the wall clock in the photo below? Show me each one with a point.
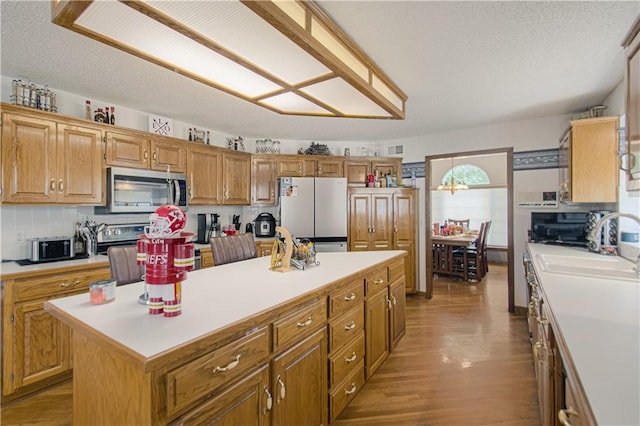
(160, 125)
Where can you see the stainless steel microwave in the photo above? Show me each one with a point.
(142, 191)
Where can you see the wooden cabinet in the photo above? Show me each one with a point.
(264, 185)
(356, 169)
(631, 44)
(130, 149)
(236, 178)
(264, 247)
(299, 383)
(204, 175)
(398, 324)
(346, 344)
(206, 258)
(309, 166)
(377, 307)
(589, 161)
(36, 349)
(386, 219)
(46, 161)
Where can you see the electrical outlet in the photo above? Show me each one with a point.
(20, 236)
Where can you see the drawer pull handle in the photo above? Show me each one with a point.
(60, 186)
(52, 185)
(269, 398)
(352, 358)
(145, 155)
(73, 284)
(390, 307)
(563, 415)
(350, 326)
(352, 390)
(155, 157)
(378, 281)
(350, 297)
(306, 323)
(395, 301)
(233, 364)
(283, 391)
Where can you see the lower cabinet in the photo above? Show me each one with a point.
(299, 383)
(36, 347)
(377, 326)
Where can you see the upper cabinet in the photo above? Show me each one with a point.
(632, 47)
(263, 181)
(309, 166)
(50, 161)
(356, 169)
(127, 149)
(204, 175)
(236, 169)
(589, 161)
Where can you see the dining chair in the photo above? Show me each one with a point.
(123, 265)
(475, 261)
(233, 248)
(459, 222)
(485, 262)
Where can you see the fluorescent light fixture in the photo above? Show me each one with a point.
(286, 56)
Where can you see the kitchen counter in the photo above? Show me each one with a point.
(212, 299)
(599, 321)
(12, 269)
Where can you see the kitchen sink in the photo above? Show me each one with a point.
(606, 267)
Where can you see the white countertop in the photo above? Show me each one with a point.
(599, 320)
(11, 267)
(212, 298)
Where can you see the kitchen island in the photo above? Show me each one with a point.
(592, 360)
(251, 345)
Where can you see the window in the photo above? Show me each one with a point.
(467, 173)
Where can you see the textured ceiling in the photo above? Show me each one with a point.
(462, 64)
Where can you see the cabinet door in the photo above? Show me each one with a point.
(299, 383)
(386, 166)
(405, 216)
(237, 178)
(377, 330)
(206, 258)
(398, 312)
(166, 154)
(287, 166)
(205, 175)
(127, 150)
(330, 167)
(633, 106)
(81, 173)
(382, 220)
(29, 159)
(245, 403)
(263, 181)
(359, 221)
(356, 171)
(42, 345)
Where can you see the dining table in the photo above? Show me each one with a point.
(443, 258)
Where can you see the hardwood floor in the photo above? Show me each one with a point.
(464, 361)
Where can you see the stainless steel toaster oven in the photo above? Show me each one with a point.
(50, 248)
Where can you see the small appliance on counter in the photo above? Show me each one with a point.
(208, 227)
(568, 228)
(50, 249)
(265, 225)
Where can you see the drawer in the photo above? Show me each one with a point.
(346, 298)
(58, 284)
(300, 324)
(345, 327)
(396, 270)
(343, 361)
(185, 385)
(376, 280)
(342, 395)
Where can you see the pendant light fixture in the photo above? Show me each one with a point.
(287, 56)
(452, 185)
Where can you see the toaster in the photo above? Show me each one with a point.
(50, 248)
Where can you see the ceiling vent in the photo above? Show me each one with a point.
(395, 149)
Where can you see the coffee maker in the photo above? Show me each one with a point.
(208, 227)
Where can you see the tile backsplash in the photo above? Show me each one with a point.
(19, 223)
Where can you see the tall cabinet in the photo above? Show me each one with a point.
(386, 219)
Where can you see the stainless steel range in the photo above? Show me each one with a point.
(119, 235)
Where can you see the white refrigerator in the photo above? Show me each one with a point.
(315, 208)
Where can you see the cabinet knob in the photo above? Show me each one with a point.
(145, 155)
(155, 157)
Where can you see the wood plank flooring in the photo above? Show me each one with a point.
(464, 361)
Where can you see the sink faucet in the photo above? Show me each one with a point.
(594, 235)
